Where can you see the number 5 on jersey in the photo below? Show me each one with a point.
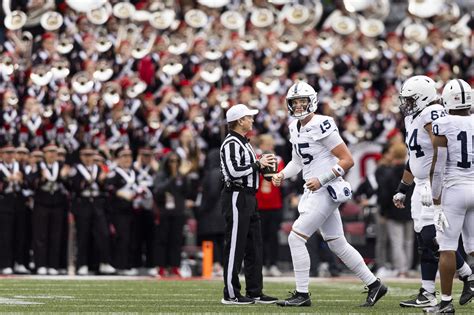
(307, 158)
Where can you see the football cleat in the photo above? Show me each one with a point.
(238, 300)
(374, 294)
(263, 299)
(467, 292)
(441, 308)
(296, 299)
(423, 299)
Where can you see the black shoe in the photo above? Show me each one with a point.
(238, 300)
(263, 299)
(296, 299)
(467, 292)
(441, 308)
(423, 299)
(374, 294)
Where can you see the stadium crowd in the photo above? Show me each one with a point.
(121, 89)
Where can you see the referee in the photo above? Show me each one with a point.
(243, 239)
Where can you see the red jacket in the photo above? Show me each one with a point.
(268, 196)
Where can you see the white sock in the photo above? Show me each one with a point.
(428, 285)
(446, 298)
(352, 259)
(465, 270)
(301, 261)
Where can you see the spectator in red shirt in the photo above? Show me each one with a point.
(270, 203)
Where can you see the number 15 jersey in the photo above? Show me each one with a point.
(418, 141)
(310, 151)
(459, 131)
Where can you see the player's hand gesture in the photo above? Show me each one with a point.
(399, 200)
(267, 160)
(313, 184)
(277, 179)
(440, 220)
(426, 195)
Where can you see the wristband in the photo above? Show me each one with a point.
(339, 170)
(403, 187)
(326, 177)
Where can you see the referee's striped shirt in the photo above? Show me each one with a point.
(238, 161)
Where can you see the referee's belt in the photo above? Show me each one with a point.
(232, 186)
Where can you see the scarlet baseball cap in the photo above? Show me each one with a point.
(238, 111)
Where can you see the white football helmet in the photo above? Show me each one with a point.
(416, 93)
(457, 94)
(302, 89)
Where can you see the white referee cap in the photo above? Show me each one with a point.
(238, 111)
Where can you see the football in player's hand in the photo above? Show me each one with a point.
(269, 171)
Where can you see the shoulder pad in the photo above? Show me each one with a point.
(441, 126)
(322, 127)
(432, 113)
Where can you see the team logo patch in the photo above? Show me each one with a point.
(347, 192)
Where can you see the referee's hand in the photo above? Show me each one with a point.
(267, 160)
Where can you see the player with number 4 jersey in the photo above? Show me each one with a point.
(420, 105)
(323, 157)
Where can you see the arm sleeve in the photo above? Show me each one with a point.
(294, 166)
(437, 181)
(231, 151)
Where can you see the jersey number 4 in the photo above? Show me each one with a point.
(414, 146)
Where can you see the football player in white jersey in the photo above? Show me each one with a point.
(322, 155)
(452, 179)
(420, 105)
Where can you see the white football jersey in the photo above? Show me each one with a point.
(418, 141)
(459, 130)
(308, 151)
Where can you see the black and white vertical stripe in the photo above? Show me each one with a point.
(237, 157)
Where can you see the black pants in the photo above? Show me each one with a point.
(6, 235)
(270, 226)
(121, 249)
(47, 232)
(169, 240)
(92, 229)
(243, 242)
(21, 242)
(143, 234)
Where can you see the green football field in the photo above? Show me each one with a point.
(334, 296)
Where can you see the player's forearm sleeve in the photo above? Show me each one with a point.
(291, 169)
(438, 171)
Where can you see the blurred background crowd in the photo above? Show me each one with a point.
(156, 77)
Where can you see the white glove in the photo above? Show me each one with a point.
(426, 195)
(440, 221)
(399, 200)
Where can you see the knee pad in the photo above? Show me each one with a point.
(338, 245)
(295, 240)
(427, 245)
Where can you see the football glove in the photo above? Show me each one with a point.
(426, 195)
(399, 200)
(440, 220)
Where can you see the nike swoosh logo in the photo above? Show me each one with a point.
(421, 302)
(373, 299)
(472, 289)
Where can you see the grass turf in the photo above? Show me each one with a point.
(142, 296)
